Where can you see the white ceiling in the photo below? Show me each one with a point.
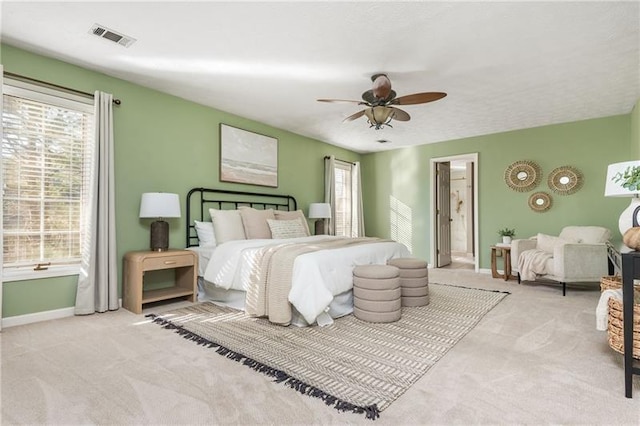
(504, 65)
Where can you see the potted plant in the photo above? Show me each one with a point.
(506, 235)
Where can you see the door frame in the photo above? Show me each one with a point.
(472, 158)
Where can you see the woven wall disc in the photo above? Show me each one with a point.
(540, 202)
(565, 180)
(522, 176)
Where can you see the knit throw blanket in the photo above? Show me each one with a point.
(270, 276)
(532, 263)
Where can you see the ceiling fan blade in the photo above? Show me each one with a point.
(354, 116)
(418, 98)
(400, 115)
(340, 101)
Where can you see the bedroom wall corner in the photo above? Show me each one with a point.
(162, 143)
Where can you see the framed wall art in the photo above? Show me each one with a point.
(247, 157)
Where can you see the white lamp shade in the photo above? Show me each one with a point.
(159, 204)
(615, 189)
(319, 211)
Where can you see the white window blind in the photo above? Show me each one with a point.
(343, 219)
(46, 157)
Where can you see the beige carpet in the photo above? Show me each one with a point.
(534, 359)
(352, 365)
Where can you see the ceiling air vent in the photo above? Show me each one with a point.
(114, 36)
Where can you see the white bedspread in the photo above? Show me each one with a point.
(317, 277)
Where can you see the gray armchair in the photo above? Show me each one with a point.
(578, 254)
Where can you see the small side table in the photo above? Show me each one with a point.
(506, 255)
(136, 263)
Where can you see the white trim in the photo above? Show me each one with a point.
(27, 273)
(37, 317)
(472, 157)
(42, 316)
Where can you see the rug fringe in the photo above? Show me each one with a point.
(371, 412)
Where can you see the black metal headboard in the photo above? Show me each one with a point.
(223, 199)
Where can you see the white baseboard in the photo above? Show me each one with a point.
(37, 317)
(41, 316)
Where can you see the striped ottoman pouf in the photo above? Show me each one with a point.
(377, 293)
(414, 280)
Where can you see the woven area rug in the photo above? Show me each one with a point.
(352, 365)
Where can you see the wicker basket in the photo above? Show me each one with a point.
(614, 329)
(611, 283)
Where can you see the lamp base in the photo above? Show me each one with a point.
(630, 216)
(159, 240)
(319, 227)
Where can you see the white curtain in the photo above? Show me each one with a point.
(357, 215)
(330, 193)
(98, 280)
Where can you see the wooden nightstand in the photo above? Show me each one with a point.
(136, 263)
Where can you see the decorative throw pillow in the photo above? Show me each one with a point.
(227, 225)
(548, 242)
(204, 231)
(255, 222)
(287, 228)
(298, 214)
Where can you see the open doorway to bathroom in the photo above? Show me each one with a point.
(454, 213)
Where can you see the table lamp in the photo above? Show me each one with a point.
(623, 180)
(159, 205)
(319, 211)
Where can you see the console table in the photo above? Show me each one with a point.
(630, 271)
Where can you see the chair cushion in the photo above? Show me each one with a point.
(586, 234)
(369, 316)
(377, 283)
(410, 301)
(407, 263)
(414, 273)
(380, 295)
(379, 306)
(414, 291)
(375, 271)
(547, 243)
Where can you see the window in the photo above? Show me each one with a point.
(46, 153)
(346, 217)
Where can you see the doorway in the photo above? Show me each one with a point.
(454, 213)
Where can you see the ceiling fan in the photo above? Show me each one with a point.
(380, 101)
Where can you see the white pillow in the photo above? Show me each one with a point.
(204, 231)
(548, 242)
(287, 228)
(227, 225)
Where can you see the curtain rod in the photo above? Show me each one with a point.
(56, 86)
(326, 157)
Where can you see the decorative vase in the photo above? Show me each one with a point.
(506, 240)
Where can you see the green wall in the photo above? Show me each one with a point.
(404, 175)
(635, 131)
(168, 144)
(162, 143)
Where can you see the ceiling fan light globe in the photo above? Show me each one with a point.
(379, 116)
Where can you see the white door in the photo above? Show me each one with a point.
(443, 214)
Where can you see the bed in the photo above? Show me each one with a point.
(276, 268)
